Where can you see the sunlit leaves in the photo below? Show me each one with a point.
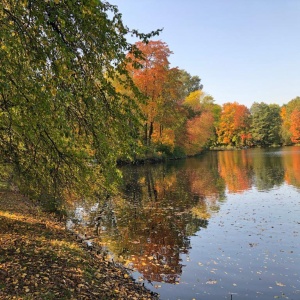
(39, 259)
(233, 124)
(151, 77)
(193, 100)
(289, 126)
(60, 111)
(199, 130)
(295, 126)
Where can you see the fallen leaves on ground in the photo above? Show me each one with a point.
(39, 259)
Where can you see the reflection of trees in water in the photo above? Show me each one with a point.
(264, 168)
(204, 180)
(160, 206)
(154, 220)
(292, 167)
(155, 238)
(236, 169)
(268, 169)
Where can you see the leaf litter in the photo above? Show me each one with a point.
(39, 259)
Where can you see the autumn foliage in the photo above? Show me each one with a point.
(178, 114)
(199, 130)
(290, 117)
(233, 128)
(151, 78)
(172, 106)
(295, 126)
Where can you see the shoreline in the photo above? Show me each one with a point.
(40, 259)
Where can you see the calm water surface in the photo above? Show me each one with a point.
(224, 225)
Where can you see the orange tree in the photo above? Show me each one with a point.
(290, 121)
(233, 125)
(164, 89)
(150, 78)
(202, 114)
(295, 126)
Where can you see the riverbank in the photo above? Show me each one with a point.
(39, 259)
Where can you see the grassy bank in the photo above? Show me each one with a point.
(39, 259)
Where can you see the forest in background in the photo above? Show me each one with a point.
(181, 119)
(76, 97)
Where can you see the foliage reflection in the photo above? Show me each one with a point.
(162, 207)
(159, 207)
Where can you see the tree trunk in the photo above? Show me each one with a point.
(150, 133)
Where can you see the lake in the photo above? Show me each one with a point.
(224, 225)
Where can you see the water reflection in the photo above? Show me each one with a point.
(159, 207)
(291, 163)
(155, 219)
(236, 168)
(268, 168)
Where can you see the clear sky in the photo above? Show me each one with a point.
(243, 50)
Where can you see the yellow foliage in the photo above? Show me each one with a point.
(200, 212)
(164, 136)
(193, 99)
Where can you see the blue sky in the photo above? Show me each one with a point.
(243, 50)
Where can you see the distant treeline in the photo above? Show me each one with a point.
(180, 119)
(76, 96)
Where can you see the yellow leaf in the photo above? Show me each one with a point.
(279, 283)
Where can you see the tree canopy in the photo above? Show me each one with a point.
(266, 123)
(290, 121)
(233, 124)
(63, 124)
(76, 96)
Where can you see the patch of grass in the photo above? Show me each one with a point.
(89, 273)
(49, 296)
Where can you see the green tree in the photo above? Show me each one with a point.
(62, 123)
(265, 124)
(216, 110)
(189, 83)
